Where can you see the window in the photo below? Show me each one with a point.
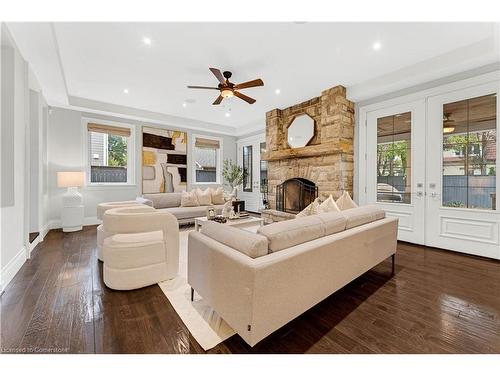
(469, 153)
(394, 158)
(109, 154)
(207, 160)
(247, 168)
(263, 169)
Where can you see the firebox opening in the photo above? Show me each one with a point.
(295, 194)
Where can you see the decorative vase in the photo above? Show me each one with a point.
(234, 193)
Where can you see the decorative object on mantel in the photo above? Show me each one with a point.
(72, 202)
(233, 176)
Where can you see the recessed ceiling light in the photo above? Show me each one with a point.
(377, 45)
(125, 91)
(228, 114)
(277, 91)
(147, 41)
(184, 104)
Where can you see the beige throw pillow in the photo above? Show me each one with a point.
(204, 196)
(312, 209)
(328, 205)
(218, 196)
(345, 202)
(189, 199)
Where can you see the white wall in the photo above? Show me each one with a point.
(23, 160)
(14, 124)
(66, 152)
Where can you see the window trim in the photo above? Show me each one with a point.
(131, 154)
(250, 166)
(218, 172)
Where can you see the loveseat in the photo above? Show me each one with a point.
(258, 282)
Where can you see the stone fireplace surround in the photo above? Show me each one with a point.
(327, 160)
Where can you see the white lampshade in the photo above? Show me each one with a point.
(70, 179)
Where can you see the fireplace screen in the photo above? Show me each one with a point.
(295, 194)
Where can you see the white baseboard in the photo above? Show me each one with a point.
(9, 271)
(32, 245)
(93, 220)
(44, 231)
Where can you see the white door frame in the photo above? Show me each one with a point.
(253, 200)
(411, 216)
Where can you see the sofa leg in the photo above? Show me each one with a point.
(393, 258)
(192, 294)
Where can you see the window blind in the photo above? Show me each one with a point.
(207, 143)
(108, 129)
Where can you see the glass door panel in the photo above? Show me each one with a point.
(394, 158)
(469, 153)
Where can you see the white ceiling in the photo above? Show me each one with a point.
(97, 61)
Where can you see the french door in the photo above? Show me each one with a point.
(396, 166)
(462, 171)
(255, 171)
(433, 164)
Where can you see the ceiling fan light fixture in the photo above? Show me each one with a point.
(227, 93)
(448, 126)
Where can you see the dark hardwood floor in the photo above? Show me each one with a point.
(438, 302)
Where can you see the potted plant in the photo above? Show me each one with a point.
(233, 175)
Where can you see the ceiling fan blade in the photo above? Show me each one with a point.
(203, 87)
(219, 75)
(245, 85)
(248, 99)
(218, 100)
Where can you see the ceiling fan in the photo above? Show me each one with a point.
(448, 124)
(228, 89)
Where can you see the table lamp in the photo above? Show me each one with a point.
(72, 202)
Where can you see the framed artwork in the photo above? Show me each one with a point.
(164, 160)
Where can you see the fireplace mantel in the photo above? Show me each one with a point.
(327, 148)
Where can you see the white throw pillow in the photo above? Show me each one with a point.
(189, 199)
(218, 196)
(345, 202)
(328, 205)
(204, 197)
(312, 209)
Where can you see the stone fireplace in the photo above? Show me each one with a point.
(326, 162)
(295, 194)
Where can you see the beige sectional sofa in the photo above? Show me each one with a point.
(260, 281)
(171, 202)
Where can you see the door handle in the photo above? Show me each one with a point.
(420, 194)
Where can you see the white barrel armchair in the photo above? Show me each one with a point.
(144, 250)
(101, 209)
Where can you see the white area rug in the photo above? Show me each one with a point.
(208, 328)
